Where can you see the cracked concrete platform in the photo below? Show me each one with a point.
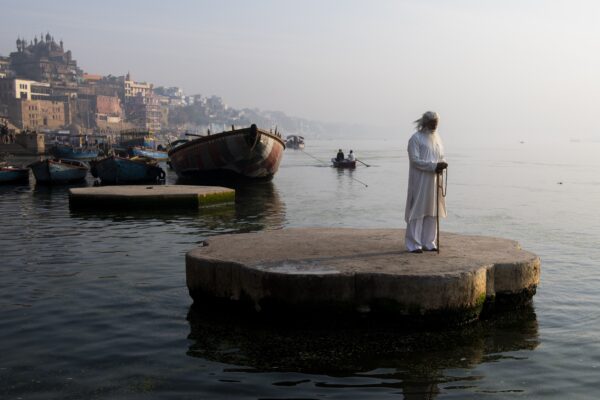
(365, 271)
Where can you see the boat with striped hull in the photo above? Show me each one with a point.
(250, 153)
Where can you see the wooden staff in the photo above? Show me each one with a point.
(441, 186)
(437, 211)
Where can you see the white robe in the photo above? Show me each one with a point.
(425, 150)
(421, 234)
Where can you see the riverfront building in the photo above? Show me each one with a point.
(41, 87)
(44, 60)
(37, 114)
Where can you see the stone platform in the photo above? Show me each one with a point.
(360, 271)
(136, 196)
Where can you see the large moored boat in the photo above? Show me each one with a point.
(248, 153)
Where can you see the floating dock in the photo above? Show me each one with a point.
(336, 272)
(152, 196)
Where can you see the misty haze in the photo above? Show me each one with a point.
(268, 199)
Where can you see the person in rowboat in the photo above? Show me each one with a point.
(351, 156)
(340, 155)
(426, 156)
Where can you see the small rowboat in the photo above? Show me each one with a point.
(343, 163)
(114, 170)
(13, 174)
(56, 171)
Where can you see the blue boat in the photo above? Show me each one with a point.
(73, 153)
(115, 170)
(147, 152)
(57, 171)
(13, 174)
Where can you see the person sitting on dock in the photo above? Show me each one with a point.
(426, 155)
(351, 156)
(340, 155)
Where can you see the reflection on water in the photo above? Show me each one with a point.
(259, 206)
(417, 363)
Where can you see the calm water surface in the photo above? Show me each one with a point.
(94, 305)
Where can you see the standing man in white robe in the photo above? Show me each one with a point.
(426, 155)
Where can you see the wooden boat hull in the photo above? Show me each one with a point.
(113, 169)
(70, 153)
(10, 174)
(140, 151)
(57, 171)
(343, 164)
(248, 153)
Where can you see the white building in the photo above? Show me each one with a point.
(23, 89)
(135, 89)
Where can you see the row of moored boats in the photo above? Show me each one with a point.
(110, 170)
(248, 153)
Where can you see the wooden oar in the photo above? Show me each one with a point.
(363, 162)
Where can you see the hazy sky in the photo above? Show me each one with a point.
(495, 70)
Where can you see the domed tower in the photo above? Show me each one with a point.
(18, 44)
(48, 37)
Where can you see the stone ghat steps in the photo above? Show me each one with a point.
(340, 272)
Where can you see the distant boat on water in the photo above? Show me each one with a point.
(57, 171)
(295, 142)
(115, 170)
(343, 163)
(73, 153)
(248, 153)
(13, 174)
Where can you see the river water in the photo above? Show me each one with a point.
(94, 304)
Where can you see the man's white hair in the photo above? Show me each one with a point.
(425, 118)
